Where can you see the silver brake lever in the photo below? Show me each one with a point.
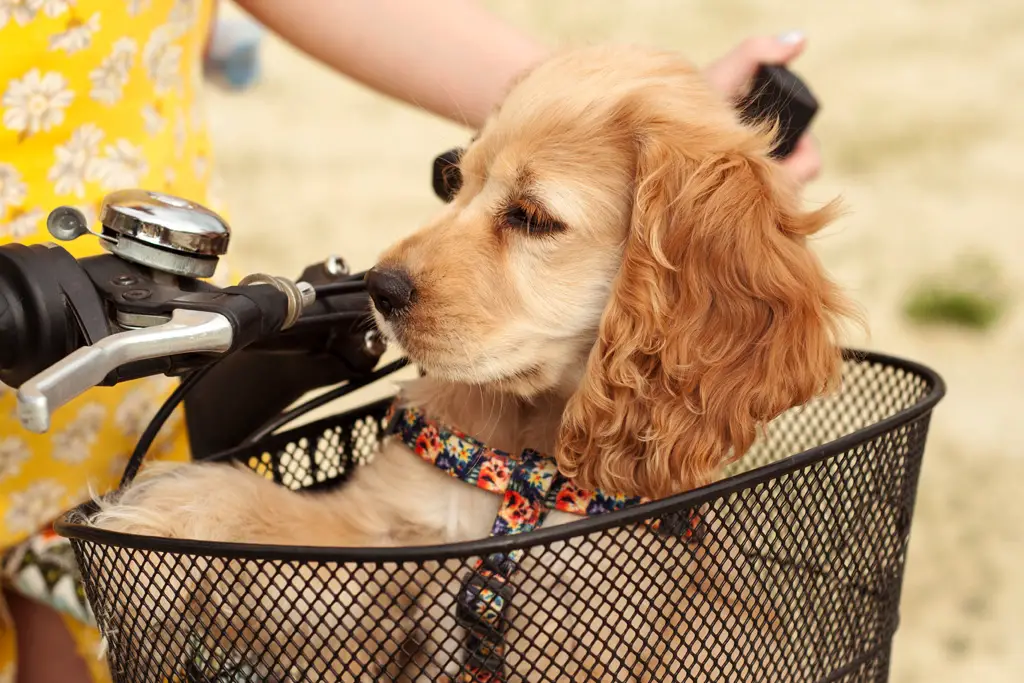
(187, 332)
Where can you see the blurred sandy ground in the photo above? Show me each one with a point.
(923, 102)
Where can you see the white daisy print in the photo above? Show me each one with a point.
(74, 443)
(21, 11)
(162, 59)
(36, 102)
(115, 467)
(21, 224)
(200, 165)
(109, 78)
(137, 7)
(122, 166)
(183, 13)
(169, 177)
(180, 134)
(12, 188)
(31, 509)
(135, 412)
(55, 8)
(76, 161)
(13, 452)
(162, 385)
(153, 119)
(77, 36)
(165, 443)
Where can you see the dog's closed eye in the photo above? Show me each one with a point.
(528, 217)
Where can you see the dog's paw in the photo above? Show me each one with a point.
(172, 500)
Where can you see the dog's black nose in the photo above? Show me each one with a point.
(391, 290)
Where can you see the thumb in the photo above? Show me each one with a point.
(781, 49)
(731, 74)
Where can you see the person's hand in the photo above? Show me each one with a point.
(732, 74)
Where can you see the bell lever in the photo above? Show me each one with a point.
(165, 233)
(66, 223)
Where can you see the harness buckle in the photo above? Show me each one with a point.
(687, 525)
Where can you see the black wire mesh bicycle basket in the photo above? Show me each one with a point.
(796, 577)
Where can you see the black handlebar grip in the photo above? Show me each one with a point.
(447, 178)
(778, 93)
(9, 341)
(35, 328)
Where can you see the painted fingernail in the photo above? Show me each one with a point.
(791, 37)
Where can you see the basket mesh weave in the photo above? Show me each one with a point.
(797, 577)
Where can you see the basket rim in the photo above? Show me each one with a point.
(545, 535)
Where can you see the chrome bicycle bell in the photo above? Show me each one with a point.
(153, 229)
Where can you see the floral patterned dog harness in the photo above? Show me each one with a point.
(531, 486)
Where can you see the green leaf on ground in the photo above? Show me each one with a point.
(971, 295)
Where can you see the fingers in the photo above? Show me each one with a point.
(781, 49)
(731, 74)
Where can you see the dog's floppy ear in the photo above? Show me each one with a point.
(720, 319)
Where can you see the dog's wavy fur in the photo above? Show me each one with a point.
(624, 280)
(719, 320)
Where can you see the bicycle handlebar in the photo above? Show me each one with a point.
(67, 325)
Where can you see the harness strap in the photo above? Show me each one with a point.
(531, 486)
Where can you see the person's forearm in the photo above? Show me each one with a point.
(450, 57)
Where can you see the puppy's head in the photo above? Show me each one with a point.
(621, 238)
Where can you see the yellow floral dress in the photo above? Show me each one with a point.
(95, 96)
